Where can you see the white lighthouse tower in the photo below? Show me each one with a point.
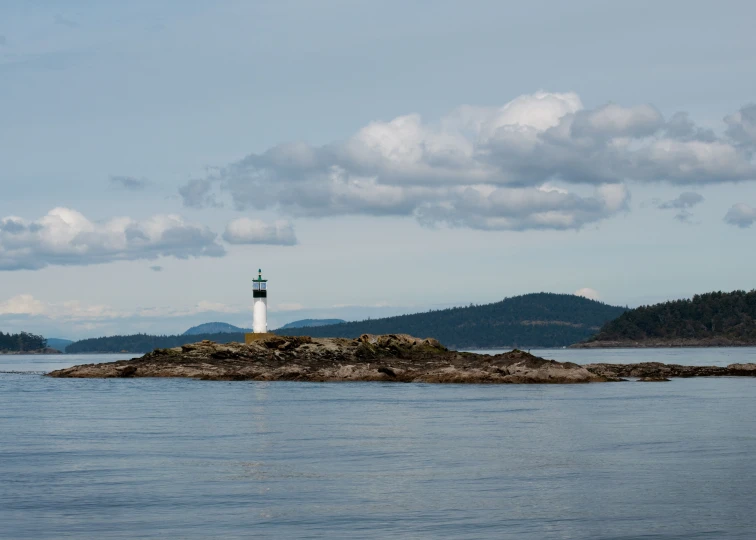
(259, 309)
(260, 305)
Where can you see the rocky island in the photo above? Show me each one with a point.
(388, 358)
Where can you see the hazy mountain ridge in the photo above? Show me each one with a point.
(308, 323)
(215, 328)
(59, 343)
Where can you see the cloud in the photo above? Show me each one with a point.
(73, 310)
(683, 216)
(197, 194)
(23, 304)
(487, 167)
(129, 182)
(741, 215)
(206, 306)
(741, 127)
(681, 127)
(66, 237)
(683, 201)
(63, 21)
(587, 292)
(288, 307)
(253, 231)
(26, 304)
(521, 209)
(156, 268)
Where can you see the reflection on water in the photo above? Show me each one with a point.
(130, 458)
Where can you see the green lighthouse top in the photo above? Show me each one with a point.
(259, 277)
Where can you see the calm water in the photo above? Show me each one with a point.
(140, 458)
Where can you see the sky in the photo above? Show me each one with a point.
(373, 158)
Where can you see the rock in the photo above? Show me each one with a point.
(388, 371)
(743, 369)
(126, 371)
(661, 371)
(653, 379)
(392, 357)
(430, 342)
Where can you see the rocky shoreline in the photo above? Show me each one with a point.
(663, 343)
(46, 350)
(387, 358)
(654, 371)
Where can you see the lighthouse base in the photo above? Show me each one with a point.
(251, 336)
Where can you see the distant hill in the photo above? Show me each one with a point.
(531, 320)
(715, 318)
(307, 323)
(215, 328)
(144, 343)
(58, 343)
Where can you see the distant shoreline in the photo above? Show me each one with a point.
(47, 350)
(664, 344)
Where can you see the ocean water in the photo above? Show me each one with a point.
(174, 458)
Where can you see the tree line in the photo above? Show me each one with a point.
(21, 342)
(144, 343)
(715, 314)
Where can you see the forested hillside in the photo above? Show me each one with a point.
(143, 343)
(531, 320)
(21, 342)
(704, 317)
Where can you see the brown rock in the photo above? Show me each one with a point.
(126, 371)
(659, 370)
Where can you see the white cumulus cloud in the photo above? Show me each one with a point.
(254, 231)
(22, 304)
(489, 167)
(66, 237)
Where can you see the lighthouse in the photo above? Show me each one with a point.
(259, 310)
(260, 304)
